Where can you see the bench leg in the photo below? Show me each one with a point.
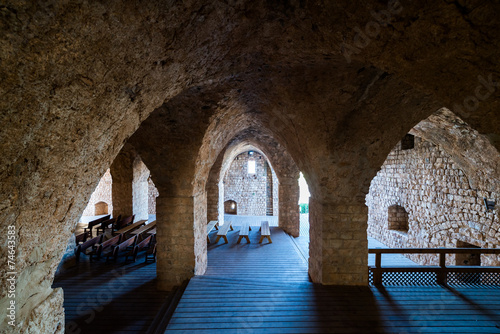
(225, 239)
(248, 239)
(208, 240)
(265, 236)
(231, 227)
(249, 227)
(239, 239)
(217, 239)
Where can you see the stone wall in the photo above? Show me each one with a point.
(101, 194)
(443, 209)
(276, 187)
(71, 98)
(249, 190)
(140, 190)
(152, 194)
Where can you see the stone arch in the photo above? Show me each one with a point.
(455, 136)
(277, 157)
(442, 186)
(50, 100)
(338, 163)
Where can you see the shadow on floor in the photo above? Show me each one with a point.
(110, 297)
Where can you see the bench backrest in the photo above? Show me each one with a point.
(127, 243)
(145, 243)
(107, 222)
(113, 241)
(91, 242)
(80, 238)
(123, 222)
(98, 221)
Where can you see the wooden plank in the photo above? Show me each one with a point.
(264, 288)
(131, 227)
(434, 250)
(144, 228)
(108, 298)
(222, 233)
(265, 232)
(244, 230)
(210, 226)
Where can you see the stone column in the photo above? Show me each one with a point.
(289, 213)
(121, 188)
(181, 253)
(212, 200)
(140, 188)
(338, 253)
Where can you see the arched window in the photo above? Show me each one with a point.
(230, 207)
(101, 208)
(397, 218)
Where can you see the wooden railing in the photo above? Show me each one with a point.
(441, 271)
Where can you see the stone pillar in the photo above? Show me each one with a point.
(289, 213)
(338, 253)
(212, 200)
(220, 206)
(269, 190)
(121, 188)
(181, 252)
(140, 189)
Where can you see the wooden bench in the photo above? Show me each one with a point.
(131, 227)
(210, 226)
(151, 252)
(145, 244)
(223, 231)
(144, 228)
(265, 232)
(97, 252)
(121, 223)
(89, 244)
(153, 231)
(245, 228)
(105, 224)
(93, 223)
(81, 238)
(114, 251)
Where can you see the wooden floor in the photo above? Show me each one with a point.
(106, 298)
(264, 289)
(276, 262)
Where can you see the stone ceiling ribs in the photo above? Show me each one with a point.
(334, 84)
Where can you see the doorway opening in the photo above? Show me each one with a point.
(304, 206)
